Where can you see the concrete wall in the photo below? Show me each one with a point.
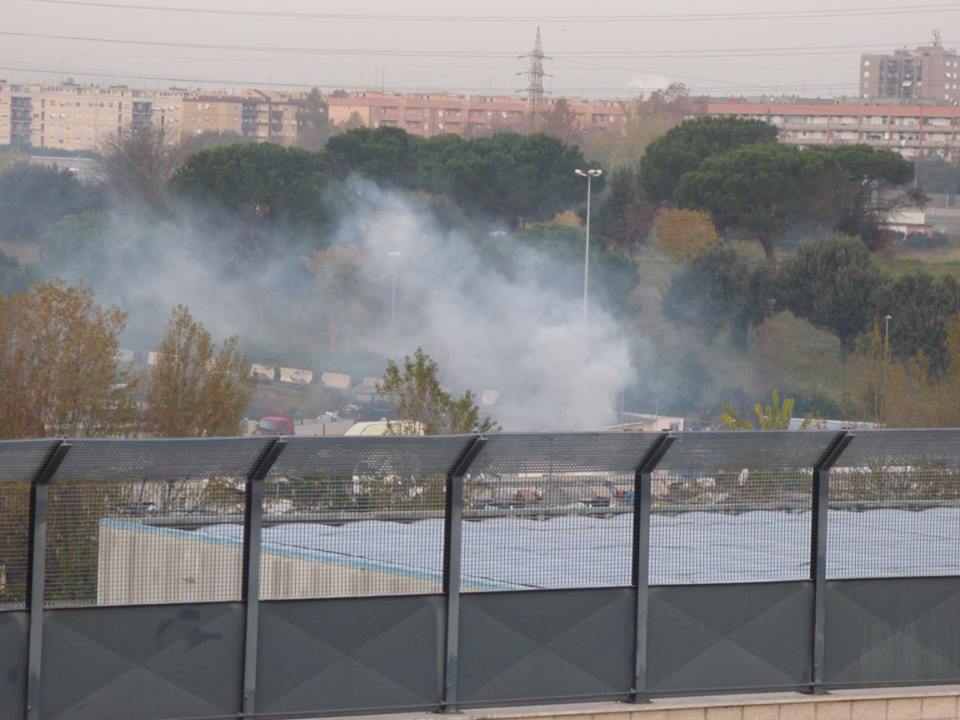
(140, 564)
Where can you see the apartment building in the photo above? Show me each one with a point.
(262, 116)
(929, 72)
(81, 117)
(427, 114)
(914, 131)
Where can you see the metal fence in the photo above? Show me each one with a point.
(283, 577)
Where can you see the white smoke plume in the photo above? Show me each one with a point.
(487, 329)
(554, 371)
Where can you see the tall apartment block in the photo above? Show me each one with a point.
(82, 117)
(929, 72)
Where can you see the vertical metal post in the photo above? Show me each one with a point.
(642, 501)
(39, 496)
(452, 557)
(252, 534)
(818, 554)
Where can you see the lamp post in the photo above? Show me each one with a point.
(589, 175)
(886, 356)
(395, 254)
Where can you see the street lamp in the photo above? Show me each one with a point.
(589, 175)
(886, 356)
(395, 254)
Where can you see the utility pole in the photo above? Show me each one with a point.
(536, 95)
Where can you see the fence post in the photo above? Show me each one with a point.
(452, 557)
(252, 534)
(37, 585)
(642, 501)
(818, 554)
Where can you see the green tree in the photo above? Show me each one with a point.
(260, 187)
(833, 284)
(720, 289)
(509, 176)
(920, 306)
(32, 197)
(195, 389)
(682, 150)
(760, 189)
(625, 215)
(420, 403)
(384, 154)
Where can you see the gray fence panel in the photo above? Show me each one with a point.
(892, 631)
(350, 654)
(13, 664)
(192, 457)
(707, 638)
(348, 456)
(562, 452)
(897, 448)
(756, 450)
(142, 663)
(546, 645)
(22, 460)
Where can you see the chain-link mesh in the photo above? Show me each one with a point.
(22, 460)
(192, 457)
(352, 536)
(562, 453)
(547, 530)
(14, 544)
(370, 456)
(893, 522)
(131, 542)
(730, 526)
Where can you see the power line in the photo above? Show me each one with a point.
(811, 50)
(855, 12)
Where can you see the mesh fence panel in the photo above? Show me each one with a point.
(131, 542)
(14, 544)
(730, 526)
(352, 536)
(22, 460)
(547, 531)
(893, 522)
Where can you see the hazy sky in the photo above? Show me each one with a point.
(802, 53)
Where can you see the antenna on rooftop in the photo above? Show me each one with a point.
(936, 38)
(536, 95)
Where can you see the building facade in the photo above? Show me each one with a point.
(260, 116)
(427, 114)
(929, 72)
(82, 117)
(914, 131)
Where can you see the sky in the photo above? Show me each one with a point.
(604, 48)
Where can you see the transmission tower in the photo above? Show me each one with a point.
(536, 95)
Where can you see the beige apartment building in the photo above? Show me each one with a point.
(427, 114)
(82, 117)
(262, 116)
(914, 131)
(929, 72)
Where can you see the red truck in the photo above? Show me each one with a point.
(276, 425)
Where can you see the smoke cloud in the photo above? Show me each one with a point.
(487, 326)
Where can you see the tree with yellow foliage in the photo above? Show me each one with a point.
(684, 234)
(196, 390)
(59, 374)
